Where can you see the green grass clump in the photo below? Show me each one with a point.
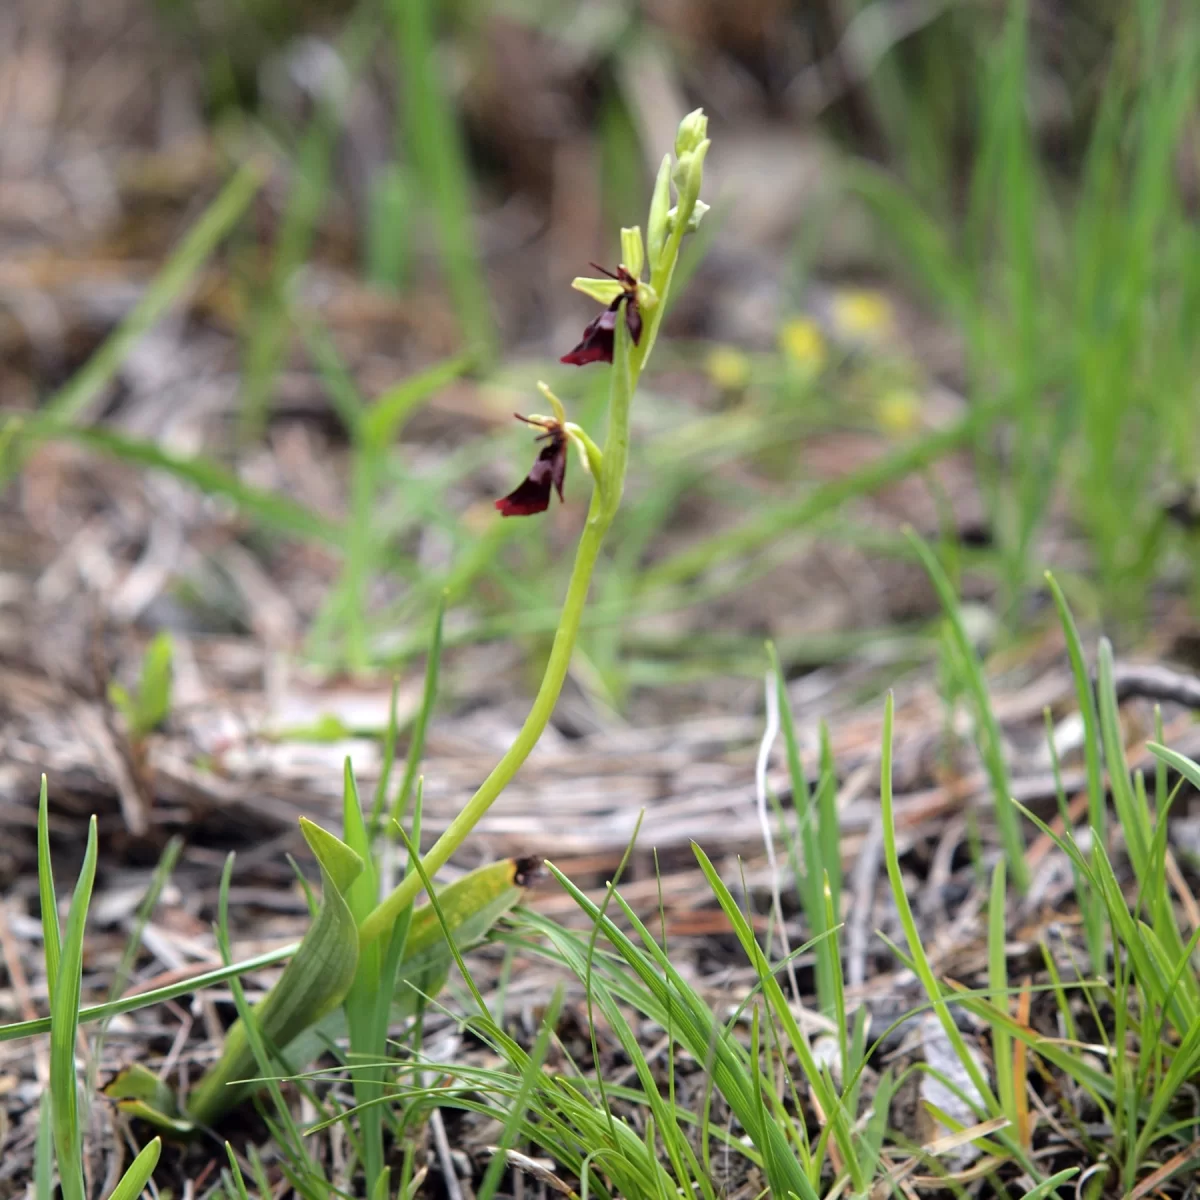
(1111, 1057)
(1118, 1048)
(60, 1129)
(1077, 301)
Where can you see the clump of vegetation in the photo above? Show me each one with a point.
(1075, 1079)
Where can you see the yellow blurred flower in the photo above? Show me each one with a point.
(862, 313)
(898, 411)
(728, 368)
(803, 343)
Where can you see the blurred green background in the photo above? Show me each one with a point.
(951, 278)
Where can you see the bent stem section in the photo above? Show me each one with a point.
(601, 512)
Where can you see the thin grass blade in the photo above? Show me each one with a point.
(138, 1173)
(64, 1016)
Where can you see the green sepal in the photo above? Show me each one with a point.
(605, 291)
(560, 413)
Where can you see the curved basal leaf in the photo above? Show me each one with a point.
(140, 1093)
(471, 906)
(311, 986)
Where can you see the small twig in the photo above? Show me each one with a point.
(866, 870)
(531, 1166)
(445, 1158)
(1157, 1178)
(1179, 883)
(24, 997)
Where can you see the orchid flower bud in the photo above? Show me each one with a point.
(660, 202)
(693, 130)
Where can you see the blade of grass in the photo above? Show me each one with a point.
(998, 984)
(920, 960)
(1135, 822)
(433, 141)
(705, 1038)
(1097, 794)
(138, 1173)
(991, 745)
(764, 528)
(196, 983)
(64, 1016)
(416, 746)
(51, 930)
(175, 276)
(809, 835)
(520, 1103)
(267, 333)
(270, 510)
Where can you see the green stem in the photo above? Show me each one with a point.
(381, 919)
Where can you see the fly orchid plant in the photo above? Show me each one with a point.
(623, 335)
(360, 961)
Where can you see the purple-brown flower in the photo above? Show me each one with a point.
(597, 342)
(532, 494)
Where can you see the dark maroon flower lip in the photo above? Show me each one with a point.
(596, 345)
(532, 494)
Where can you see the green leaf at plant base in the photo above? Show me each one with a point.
(140, 1093)
(312, 984)
(359, 1003)
(470, 907)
